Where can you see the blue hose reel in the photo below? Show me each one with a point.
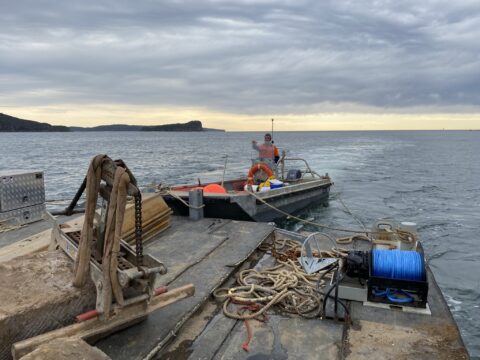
(395, 277)
(398, 264)
(398, 277)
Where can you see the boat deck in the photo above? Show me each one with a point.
(373, 333)
(208, 253)
(205, 253)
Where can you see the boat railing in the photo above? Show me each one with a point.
(307, 170)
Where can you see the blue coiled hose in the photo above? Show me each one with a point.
(398, 264)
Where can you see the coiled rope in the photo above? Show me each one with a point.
(285, 286)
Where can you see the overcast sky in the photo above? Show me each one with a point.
(232, 64)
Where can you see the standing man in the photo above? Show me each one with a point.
(267, 152)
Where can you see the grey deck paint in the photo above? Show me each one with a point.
(205, 253)
(283, 338)
(298, 338)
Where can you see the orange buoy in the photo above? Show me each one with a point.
(214, 188)
(256, 168)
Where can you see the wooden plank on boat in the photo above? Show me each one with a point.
(152, 206)
(148, 222)
(149, 233)
(151, 230)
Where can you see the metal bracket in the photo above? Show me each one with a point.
(145, 280)
(310, 263)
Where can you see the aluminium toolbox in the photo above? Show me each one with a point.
(23, 215)
(22, 196)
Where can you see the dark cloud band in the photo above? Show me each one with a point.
(248, 57)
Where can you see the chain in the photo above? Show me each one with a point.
(138, 229)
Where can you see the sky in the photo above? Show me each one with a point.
(310, 65)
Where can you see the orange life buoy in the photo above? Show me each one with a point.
(214, 188)
(256, 168)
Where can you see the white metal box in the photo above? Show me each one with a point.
(19, 189)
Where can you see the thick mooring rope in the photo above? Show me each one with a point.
(285, 286)
(303, 220)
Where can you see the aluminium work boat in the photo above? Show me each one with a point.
(269, 192)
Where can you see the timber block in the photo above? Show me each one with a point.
(37, 296)
(66, 349)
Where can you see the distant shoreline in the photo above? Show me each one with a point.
(250, 131)
(12, 124)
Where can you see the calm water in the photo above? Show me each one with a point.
(431, 178)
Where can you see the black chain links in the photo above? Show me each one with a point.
(138, 229)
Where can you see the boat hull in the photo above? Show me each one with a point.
(253, 207)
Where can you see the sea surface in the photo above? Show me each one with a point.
(431, 178)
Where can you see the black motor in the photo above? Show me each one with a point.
(358, 264)
(294, 174)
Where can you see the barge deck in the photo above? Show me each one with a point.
(209, 253)
(372, 333)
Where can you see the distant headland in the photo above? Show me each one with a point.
(12, 124)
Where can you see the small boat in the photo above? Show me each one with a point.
(264, 195)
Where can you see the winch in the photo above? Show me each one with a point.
(391, 276)
(390, 271)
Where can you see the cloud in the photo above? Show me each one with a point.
(243, 57)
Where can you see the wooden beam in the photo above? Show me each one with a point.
(95, 329)
(149, 233)
(149, 222)
(152, 205)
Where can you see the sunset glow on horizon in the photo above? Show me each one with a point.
(331, 121)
